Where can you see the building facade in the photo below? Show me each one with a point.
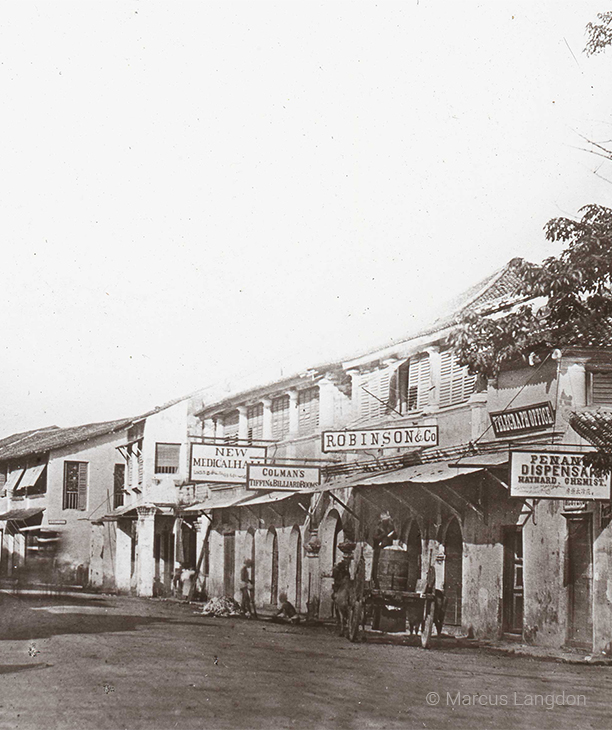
(52, 481)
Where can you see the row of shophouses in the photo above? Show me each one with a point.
(116, 506)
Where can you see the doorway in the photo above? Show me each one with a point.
(413, 556)
(453, 573)
(295, 588)
(579, 574)
(274, 577)
(513, 581)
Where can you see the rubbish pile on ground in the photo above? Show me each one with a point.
(221, 607)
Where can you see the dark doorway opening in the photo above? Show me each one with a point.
(453, 573)
(579, 574)
(513, 581)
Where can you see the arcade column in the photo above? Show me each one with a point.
(146, 560)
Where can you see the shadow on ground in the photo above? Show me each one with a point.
(13, 668)
(26, 617)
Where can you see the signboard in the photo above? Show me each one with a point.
(555, 475)
(574, 505)
(282, 477)
(381, 438)
(222, 463)
(523, 420)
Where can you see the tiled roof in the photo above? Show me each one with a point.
(17, 437)
(44, 440)
(594, 426)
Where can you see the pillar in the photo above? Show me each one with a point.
(313, 587)
(123, 556)
(327, 393)
(146, 561)
(267, 418)
(96, 556)
(355, 400)
(243, 424)
(293, 413)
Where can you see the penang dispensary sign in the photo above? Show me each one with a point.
(381, 438)
(222, 463)
(282, 477)
(555, 475)
(523, 420)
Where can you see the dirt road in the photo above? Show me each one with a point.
(131, 663)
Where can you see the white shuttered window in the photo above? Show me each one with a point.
(419, 383)
(456, 385)
(372, 389)
(308, 411)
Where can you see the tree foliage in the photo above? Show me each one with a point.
(566, 301)
(599, 34)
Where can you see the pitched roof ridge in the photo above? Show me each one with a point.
(495, 277)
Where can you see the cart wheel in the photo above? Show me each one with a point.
(427, 629)
(355, 620)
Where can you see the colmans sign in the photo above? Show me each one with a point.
(282, 477)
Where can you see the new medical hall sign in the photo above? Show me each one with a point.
(556, 475)
(381, 438)
(223, 463)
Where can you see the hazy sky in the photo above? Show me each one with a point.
(197, 192)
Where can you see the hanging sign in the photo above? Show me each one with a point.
(556, 475)
(381, 438)
(282, 477)
(223, 463)
(523, 420)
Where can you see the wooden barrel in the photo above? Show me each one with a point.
(392, 570)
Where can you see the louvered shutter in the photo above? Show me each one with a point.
(418, 383)
(374, 394)
(255, 421)
(280, 417)
(308, 410)
(231, 423)
(167, 458)
(82, 485)
(456, 384)
(446, 369)
(381, 405)
(602, 388)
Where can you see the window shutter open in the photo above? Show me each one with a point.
(82, 485)
(456, 385)
(418, 383)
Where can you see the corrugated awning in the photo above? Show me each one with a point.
(218, 503)
(22, 514)
(268, 498)
(124, 511)
(437, 471)
(429, 472)
(31, 476)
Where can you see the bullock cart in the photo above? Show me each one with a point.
(420, 605)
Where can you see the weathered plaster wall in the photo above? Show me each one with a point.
(101, 457)
(169, 426)
(544, 548)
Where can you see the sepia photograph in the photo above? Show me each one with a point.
(306, 365)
